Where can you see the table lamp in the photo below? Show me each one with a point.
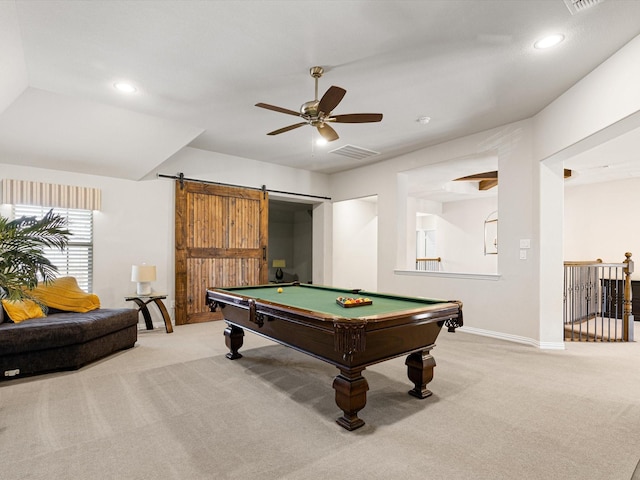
(143, 274)
(279, 265)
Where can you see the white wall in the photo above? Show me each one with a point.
(355, 244)
(427, 222)
(460, 236)
(609, 94)
(217, 167)
(601, 221)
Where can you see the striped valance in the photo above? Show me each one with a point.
(24, 192)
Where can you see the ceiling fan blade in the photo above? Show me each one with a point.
(487, 184)
(328, 133)
(356, 118)
(278, 109)
(486, 180)
(480, 176)
(331, 99)
(286, 129)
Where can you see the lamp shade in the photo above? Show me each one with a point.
(143, 273)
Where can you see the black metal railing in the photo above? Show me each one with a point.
(597, 301)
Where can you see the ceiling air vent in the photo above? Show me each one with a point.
(577, 6)
(352, 151)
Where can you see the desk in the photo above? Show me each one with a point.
(308, 319)
(143, 300)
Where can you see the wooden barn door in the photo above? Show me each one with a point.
(221, 241)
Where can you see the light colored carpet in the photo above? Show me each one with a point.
(174, 407)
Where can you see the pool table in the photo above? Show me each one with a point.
(351, 337)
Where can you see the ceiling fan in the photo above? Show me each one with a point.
(317, 113)
(488, 180)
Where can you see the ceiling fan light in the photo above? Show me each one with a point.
(321, 141)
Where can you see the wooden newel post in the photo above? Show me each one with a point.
(627, 322)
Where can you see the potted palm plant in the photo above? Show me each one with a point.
(22, 262)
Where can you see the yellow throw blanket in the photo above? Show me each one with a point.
(65, 294)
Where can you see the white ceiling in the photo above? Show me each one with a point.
(200, 66)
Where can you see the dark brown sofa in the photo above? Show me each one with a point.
(64, 341)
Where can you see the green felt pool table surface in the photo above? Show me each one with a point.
(319, 298)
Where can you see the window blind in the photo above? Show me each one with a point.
(77, 259)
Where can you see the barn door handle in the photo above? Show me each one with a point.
(264, 253)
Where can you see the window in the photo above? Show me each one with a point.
(77, 259)
(425, 243)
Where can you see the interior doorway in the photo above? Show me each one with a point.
(290, 241)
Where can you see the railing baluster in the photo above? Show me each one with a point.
(428, 264)
(627, 319)
(617, 303)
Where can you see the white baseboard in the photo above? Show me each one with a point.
(514, 338)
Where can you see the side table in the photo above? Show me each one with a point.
(143, 300)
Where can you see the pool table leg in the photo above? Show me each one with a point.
(420, 372)
(351, 396)
(233, 339)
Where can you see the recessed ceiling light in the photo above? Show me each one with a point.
(124, 87)
(423, 120)
(549, 41)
